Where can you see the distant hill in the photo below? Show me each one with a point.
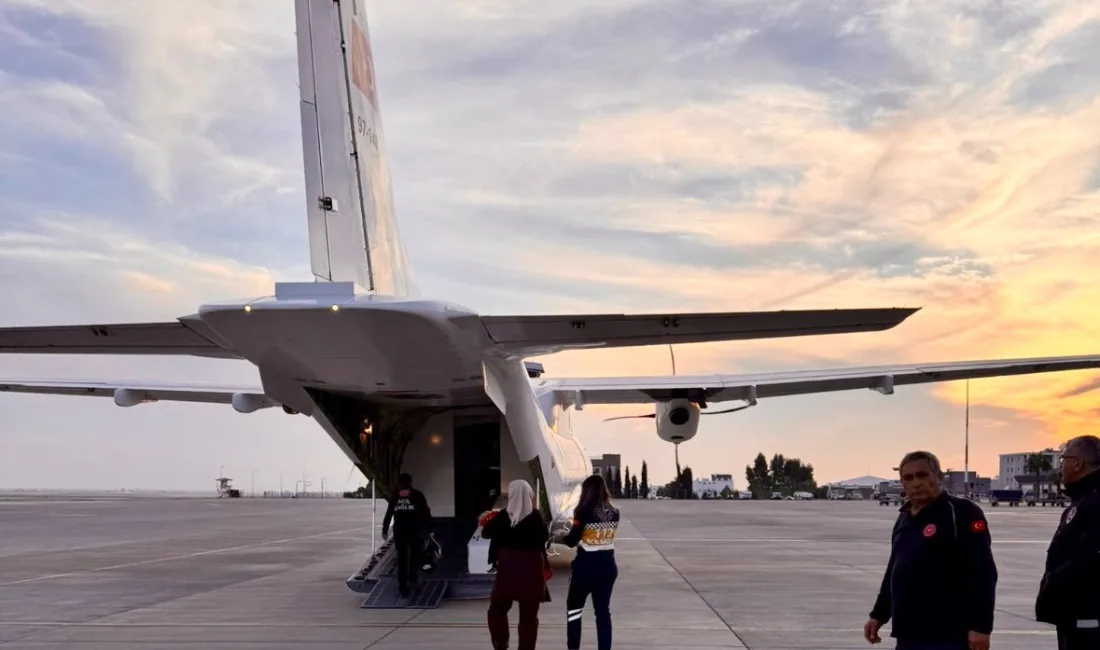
(868, 481)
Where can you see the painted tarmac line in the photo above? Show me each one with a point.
(179, 557)
(796, 541)
(473, 625)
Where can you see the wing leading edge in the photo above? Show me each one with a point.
(169, 338)
(536, 335)
(749, 387)
(244, 399)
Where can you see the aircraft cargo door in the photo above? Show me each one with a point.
(477, 468)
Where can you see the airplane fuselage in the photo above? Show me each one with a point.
(325, 350)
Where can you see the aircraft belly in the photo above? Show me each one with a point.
(365, 350)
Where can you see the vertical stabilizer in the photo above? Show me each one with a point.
(353, 235)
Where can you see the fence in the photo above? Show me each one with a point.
(275, 494)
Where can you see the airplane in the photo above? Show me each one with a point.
(401, 382)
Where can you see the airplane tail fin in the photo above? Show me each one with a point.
(353, 235)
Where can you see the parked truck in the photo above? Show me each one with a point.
(1010, 497)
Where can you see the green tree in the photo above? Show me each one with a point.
(634, 493)
(645, 481)
(782, 473)
(757, 475)
(800, 477)
(1037, 465)
(687, 482)
(778, 473)
(727, 493)
(626, 482)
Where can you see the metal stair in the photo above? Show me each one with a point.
(450, 581)
(424, 595)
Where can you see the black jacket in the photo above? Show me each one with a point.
(519, 554)
(940, 580)
(531, 533)
(1068, 591)
(410, 513)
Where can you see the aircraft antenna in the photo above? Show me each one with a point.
(672, 354)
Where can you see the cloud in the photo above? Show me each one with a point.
(621, 156)
(157, 130)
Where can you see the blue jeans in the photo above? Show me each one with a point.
(594, 574)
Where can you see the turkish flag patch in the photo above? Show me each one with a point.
(977, 527)
(930, 530)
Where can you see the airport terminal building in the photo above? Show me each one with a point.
(712, 487)
(974, 486)
(1014, 465)
(608, 463)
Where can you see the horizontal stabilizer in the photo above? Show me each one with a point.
(534, 335)
(748, 387)
(171, 338)
(131, 393)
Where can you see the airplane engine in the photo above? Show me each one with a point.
(677, 420)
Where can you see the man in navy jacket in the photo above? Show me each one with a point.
(1069, 593)
(940, 580)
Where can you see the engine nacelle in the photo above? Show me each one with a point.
(677, 420)
(248, 402)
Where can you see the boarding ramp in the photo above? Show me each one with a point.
(451, 580)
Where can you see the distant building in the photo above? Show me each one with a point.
(713, 486)
(956, 483)
(863, 481)
(861, 487)
(888, 489)
(606, 462)
(1013, 465)
(850, 492)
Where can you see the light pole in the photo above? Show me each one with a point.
(966, 444)
(253, 482)
(322, 487)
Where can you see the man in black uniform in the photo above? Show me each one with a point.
(412, 518)
(1069, 594)
(940, 579)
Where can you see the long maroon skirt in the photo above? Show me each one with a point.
(520, 574)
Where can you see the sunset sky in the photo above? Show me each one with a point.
(570, 157)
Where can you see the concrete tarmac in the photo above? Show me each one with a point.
(269, 573)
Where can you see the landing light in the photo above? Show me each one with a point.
(336, 308)
(436, 439)
(247, 308)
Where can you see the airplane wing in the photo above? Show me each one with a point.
(749, 387)
(537, 335)
(174, 338)
(131, 393)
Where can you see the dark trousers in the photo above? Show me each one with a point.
(1072, 638)
(908, 644)
(594, 573)
(408, 557)
(499, 606)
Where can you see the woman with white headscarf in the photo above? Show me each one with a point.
(519, 536)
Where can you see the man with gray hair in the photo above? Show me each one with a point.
(940, 581)
(1069, 593)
